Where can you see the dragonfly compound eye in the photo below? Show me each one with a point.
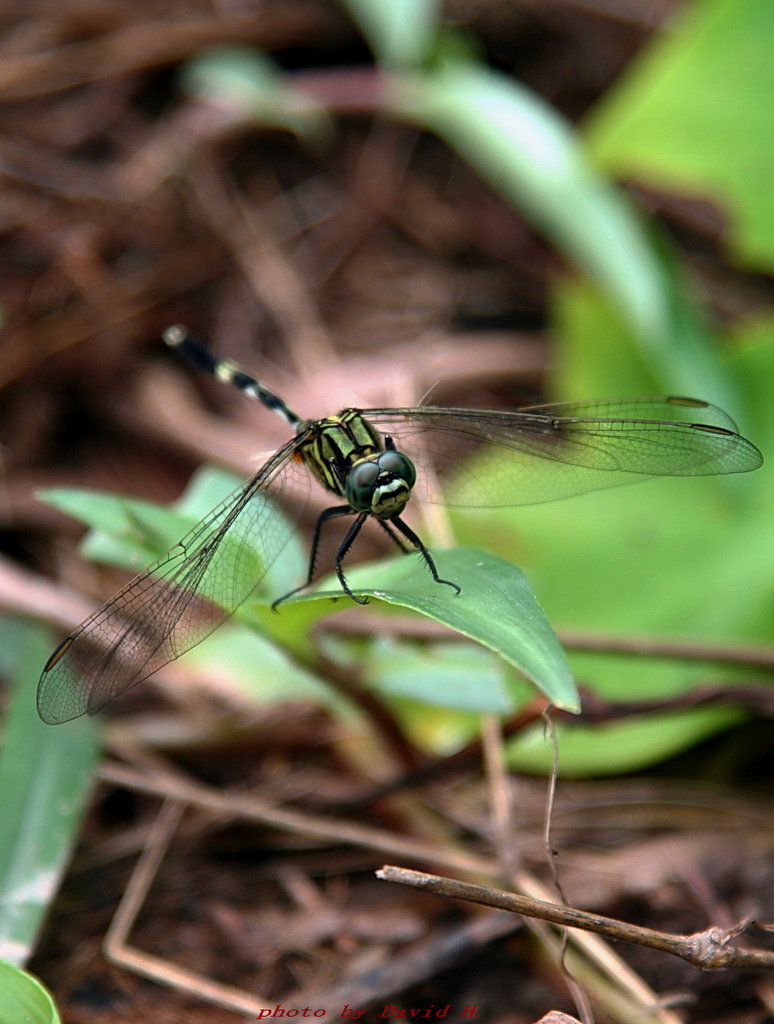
(398, 465)
(361, 482)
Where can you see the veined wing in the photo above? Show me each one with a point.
(173, 604)
(554, 451)
(670, 409)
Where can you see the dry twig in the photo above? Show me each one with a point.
(710, 950)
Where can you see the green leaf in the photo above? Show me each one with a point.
(400, 33)
(131, 533)
(449, 675)
(693, 113)
(243, 661)
(531, 157)
(127, 532)
(657, 558)
(496, 608)
(23, 1000)
(208, 486)
(598, 354)
(626, 746)
(45, 778)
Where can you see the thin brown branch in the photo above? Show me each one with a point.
(757, 656)
(710, 950)
(324, 828)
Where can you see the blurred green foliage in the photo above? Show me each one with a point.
(46, 778)
(693, 115)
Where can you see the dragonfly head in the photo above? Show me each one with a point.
(381, 485)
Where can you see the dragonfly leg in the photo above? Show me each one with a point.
(409, 534)
(341, 554)
(322, 519)
(394, 536)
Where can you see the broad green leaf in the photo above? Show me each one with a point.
(247, 663)
(597, 353)
(666, 559)
(45, 778)
(127, 532)
(450, 675)
(23, 1000)
(496, 608)
(208, 486)
(211, 485)
(401, 32)
(693, 113)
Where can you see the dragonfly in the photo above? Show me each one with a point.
(373, 461)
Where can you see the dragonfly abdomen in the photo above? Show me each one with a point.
(226, 372)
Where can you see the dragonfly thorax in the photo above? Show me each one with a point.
(381, 485)
(351, 458)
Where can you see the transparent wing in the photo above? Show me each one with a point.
(174, 603)
(546, 452)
